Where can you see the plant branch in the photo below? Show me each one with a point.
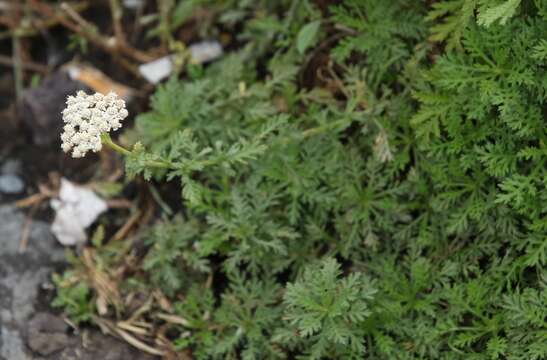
(79, 25)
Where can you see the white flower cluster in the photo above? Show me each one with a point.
(86, 117)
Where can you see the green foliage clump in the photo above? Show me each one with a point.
(328, 313)
(73, 297)
(173, 256)
(414, 154)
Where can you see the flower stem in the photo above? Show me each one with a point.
(107, 140)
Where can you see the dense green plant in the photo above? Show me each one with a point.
(415, 156)
(328, 313)
(73, 298)
(172, 248)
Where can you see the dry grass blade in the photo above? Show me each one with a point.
(44, 194)
(137, 343)
(132, 328)
(27, 226)
(108, 327)
(174, 319)
(119, 204)
(106, 288)
(124, 230)
(25, 65)
(117, 15)
(143, 309)
(31, 200)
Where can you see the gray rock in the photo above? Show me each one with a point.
(42, 248)
(12, 167)
(104, 348)
(11, 345)
(11, 184)
(25, 289)
(21, 275)
(25, 332)
(46, 344)
(49, 323)
(40, 107)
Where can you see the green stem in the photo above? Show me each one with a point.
(107, 140)
(321, 129)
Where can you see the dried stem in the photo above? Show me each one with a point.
(35, 26)
(29, 66)
(17, 68)
(27, 227)
(117, 14)
(79, 25)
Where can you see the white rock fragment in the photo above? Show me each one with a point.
(76, 209)
(11, 184)
(133, 4)
(157, 70)
(202, 52)
(205, 51)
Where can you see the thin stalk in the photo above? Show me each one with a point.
(107, 140)
(17, 67)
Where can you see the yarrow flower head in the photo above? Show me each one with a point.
(87, 117)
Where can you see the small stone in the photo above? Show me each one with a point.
(133, 4)
(46, 344)
(11, 184)
(11, 167)
(11, 344)
(46, 322)
(40, 107)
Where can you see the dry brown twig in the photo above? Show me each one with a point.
(119, 204)
(25, 65)
(110, 44)
(117, 14)
(143, 309)
(68, 17)
(124, 230)
(137, 343)
(34, 26)
(132, 327)
(122, 332)
(105, 286)
(34, 201)
(27, 226)
(45, 191)
(31, 200)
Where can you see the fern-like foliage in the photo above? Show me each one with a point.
(327, 312)
(456, 15)
(74, 298)
(385, 32)
(418, 163)
(247, 319)
(482, 122)
(172, 255)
